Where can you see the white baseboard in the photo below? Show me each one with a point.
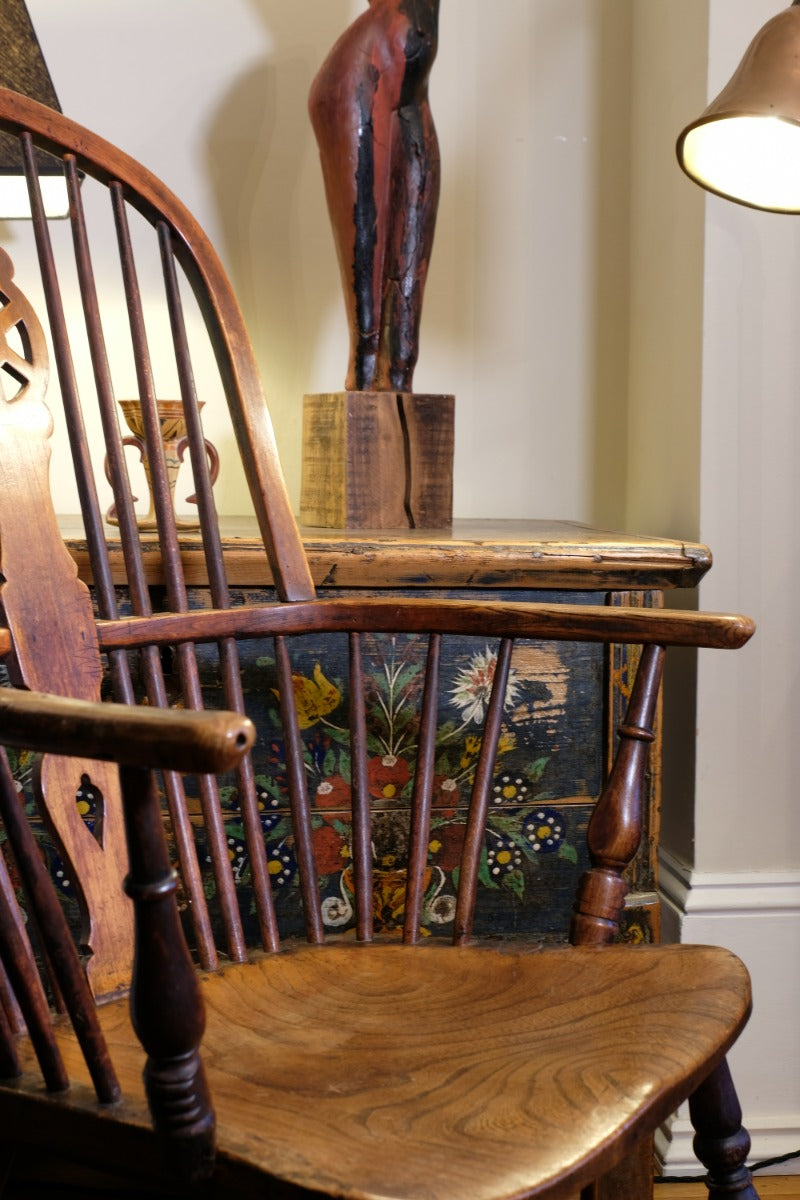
(675, 1156)
(757, 915)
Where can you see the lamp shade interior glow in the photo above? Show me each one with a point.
(746, 145)
(14, 202)
(752, 159)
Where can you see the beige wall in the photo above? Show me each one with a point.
(666, 297)
(666, 342)
(526, 310)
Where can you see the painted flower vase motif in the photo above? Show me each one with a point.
(172, 423)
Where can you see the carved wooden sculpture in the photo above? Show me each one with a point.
(329, 1054)
(380, 162)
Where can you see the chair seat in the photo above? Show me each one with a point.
(385, 1070)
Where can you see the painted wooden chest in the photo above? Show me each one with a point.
(563, 704)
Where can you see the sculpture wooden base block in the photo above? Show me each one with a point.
(377, 460)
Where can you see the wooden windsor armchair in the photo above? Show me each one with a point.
(348, 1050)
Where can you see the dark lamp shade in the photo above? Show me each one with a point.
(23, 69)
(746, 145)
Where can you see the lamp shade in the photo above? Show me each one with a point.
(746, 145)
(23, 69)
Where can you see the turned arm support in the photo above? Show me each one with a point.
(166, 1004)
(615, 827)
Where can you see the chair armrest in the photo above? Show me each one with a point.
(403, 614)
(172, 739)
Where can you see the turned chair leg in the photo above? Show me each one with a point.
(721, 1142)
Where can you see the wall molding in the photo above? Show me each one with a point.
(675, 1156)
(757, 915)
(726, 893)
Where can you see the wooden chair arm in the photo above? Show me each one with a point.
(172, 739)
(494, 618)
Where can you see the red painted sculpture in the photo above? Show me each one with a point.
(380, 161)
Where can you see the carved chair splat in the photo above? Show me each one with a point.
(336, 1048)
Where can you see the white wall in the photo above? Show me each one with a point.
(526, 310)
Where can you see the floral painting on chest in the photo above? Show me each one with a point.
(548, 774)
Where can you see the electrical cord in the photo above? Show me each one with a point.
(754, 1168)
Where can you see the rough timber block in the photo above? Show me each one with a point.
(377, 460)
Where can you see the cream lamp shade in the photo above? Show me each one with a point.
(746, 145)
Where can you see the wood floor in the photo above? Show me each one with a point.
(773, 1187)
(770, 1187)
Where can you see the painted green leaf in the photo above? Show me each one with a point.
(483, 874)
(537, 768)
(329, 764)
(515, 882)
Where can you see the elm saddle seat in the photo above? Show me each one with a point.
(169, 1036)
